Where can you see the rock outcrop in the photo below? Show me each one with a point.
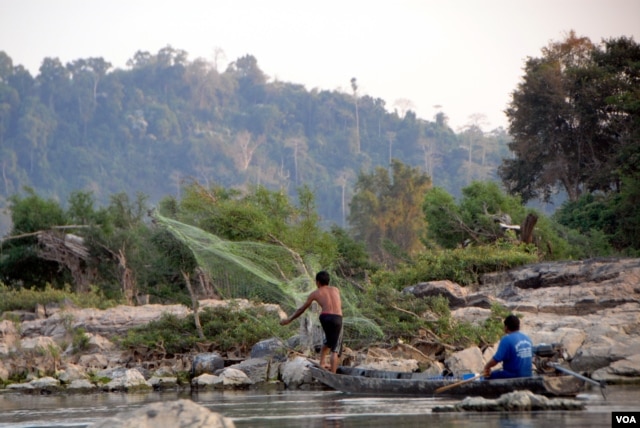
(591, 307)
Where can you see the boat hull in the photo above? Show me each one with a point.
(375, 382)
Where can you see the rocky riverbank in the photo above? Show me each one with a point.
(591, 307)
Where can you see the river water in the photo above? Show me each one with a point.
(310, 409)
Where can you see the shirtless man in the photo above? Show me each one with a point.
(328, 297)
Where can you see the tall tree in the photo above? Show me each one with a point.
(546, 124)
(354, 88)
(386, 211)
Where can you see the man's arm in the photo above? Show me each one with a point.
(300, 310)
(487, 367)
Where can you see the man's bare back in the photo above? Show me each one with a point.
(328, 297)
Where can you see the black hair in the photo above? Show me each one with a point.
(512, 323)
(323, 277)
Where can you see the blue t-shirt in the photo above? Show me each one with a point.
(515, 352)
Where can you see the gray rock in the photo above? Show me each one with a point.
(454, 293)
(513, 401)
(81, 386)
(296, 373)
(163, 383)
(206, 363)
(175, 414)
(259, 369)
(272, 348)
(125, 380)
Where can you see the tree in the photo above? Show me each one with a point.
(546, 125)
(354, 88)
(54, 80)
(21, 263)
(566, 119)
(385, 211)
(476, 219)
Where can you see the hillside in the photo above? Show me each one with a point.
(165, 120)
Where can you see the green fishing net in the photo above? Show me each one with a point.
(270, 273)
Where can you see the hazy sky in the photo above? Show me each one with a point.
(465, 55)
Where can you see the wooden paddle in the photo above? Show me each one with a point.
(453, 385)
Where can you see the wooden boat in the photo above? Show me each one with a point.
(380, 383)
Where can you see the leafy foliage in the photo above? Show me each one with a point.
(462, 265)
(28, 298)
(385, 211)
(226, 327)
(476, 218)
(575, 119)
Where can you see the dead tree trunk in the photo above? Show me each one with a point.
(194, 303)
(127, 278)
(527, 228)
(206, 287)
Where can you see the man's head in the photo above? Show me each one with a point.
(512, 323)
(323, 278)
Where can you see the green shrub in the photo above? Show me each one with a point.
(80, 340)
(227, 328)
(27, 298)
(463, 266)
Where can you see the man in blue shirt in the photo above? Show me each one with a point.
(514, 351)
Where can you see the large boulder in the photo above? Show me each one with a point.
(124, 380)
(9, 337)
(209, 363)
(468, 360)
(296, 373)
(259, 370)
(174, 414)
(273, 349)
(513, 401)
(453, 292)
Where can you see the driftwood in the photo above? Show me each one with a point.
(70, 251)
(67, 249)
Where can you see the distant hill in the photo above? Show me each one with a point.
(164, 120)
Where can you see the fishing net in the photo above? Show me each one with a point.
(270, 273)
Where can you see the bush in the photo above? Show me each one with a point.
(463, 266)
(402, 316)
(27, 298)
(227, 328)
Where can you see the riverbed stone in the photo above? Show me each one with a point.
(174, 414)
(209, 362)
(9, 337)
(38, 343)
(259, 369)
(518, 401)
(45, 384)
(163, 383)
(234, 378)
(71, 372)
(81, 386)
(273, 349)
(93, 361)
(468, 360)
(205, 381)
(296, 373)
(124, 380)
(4, 372)
(621, 371)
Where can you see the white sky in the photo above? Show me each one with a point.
(465, 55)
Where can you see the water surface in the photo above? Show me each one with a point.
(309, 409)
